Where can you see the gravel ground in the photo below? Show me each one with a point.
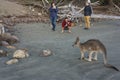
(64, 65)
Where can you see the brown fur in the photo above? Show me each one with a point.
(93, 46)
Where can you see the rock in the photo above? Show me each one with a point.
(11, 47)
(19, 54)
(46, 53)
(14, 39)
(12, 61)
(11, 39)
(6, 36)
(7, 45)
(3, 53)
(4, 43)
(39, 14)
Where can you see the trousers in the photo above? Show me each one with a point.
(53, 22)
(87, 21)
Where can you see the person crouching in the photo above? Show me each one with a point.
(66, 25)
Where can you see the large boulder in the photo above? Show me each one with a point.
(19, 54)
(4, 43)
(11, 39)
(12, 61)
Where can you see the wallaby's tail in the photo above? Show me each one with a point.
(112, 67)
(105, 60)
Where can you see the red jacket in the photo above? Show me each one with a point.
(64, 23)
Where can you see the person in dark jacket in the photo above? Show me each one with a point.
(53, 15)
(87, 14)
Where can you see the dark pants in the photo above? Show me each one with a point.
(53, 21)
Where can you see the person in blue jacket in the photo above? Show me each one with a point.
(53, 15)
(87, 14)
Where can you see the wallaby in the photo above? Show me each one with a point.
(93, 46)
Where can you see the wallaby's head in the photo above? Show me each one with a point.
(76, 43)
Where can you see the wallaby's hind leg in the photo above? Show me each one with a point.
(90, 56)
(95, 56)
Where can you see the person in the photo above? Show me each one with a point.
(66, 25)
(53, 15)
(87, 15)
(89, 1)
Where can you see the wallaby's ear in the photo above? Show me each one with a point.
(77, 38)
